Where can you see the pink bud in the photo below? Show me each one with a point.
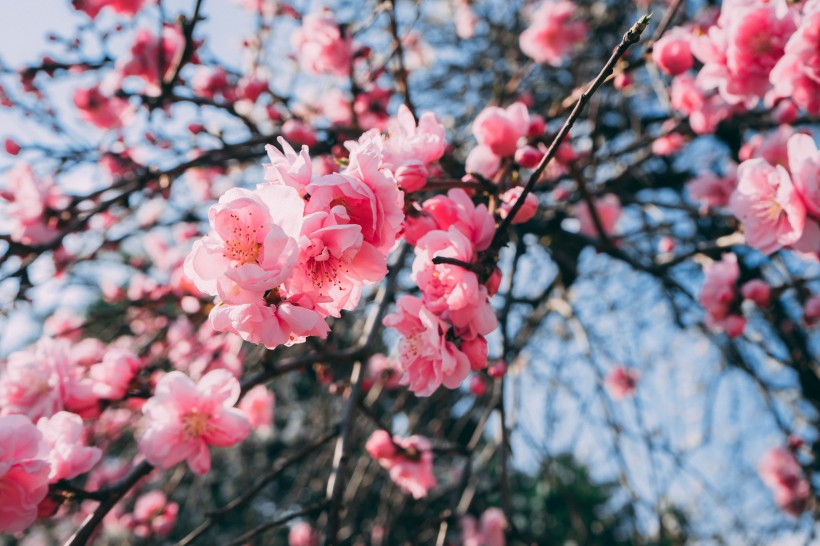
(811, 311)
(758, 292)
(622, 81)
(528, 157)
(12, 148)
(494, 282)
(673, 53)
(476, 351)
(796, 442)
(478, 386)
(666, 244)
(734, 325)
(537, 126)
(497, 370)
(412, 176)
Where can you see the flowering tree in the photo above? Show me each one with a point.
(510, 272)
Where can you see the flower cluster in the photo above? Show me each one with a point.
(408, 460)
(285, 256)
(720, 296)
(780, 470)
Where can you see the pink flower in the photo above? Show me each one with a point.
(489, 532)
(457, 209)
(68, 457)
(408, 460)
(528, 157)
(11, 146)
(609, 211)
(672, 52)
(100, 110)
(780, 471)
(144, 57)
(302, 534)
(740, 52)
(711, 190)
(804, 163)
(427, 358)
(385, 370)
(114, 373)
(622, 382)
(365, 195)
(719, 295)
(526, 212)
(299, 132)
(499, 129)
(287, 167)
(450, 290)
(704, 111)
(122, 7)
(30, 200)
(253, 242)
(273, 319)
(668, 144)
(773, 147)
(257, 404)
(185, 418)
(320, 45)
(370, 107)
(796, 75)
(407, 141)
(768, 205)
(481, 160)
(758, 292)
(465, 19)
(43, 379)
(23, 473)
(553, 33)
(153, 515)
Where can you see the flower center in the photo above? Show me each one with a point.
(195, 423)
(243, 247)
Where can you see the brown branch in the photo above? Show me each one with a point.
(631, 37)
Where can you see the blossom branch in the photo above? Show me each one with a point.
(631, 37)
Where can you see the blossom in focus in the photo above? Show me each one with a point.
(185, 418)
(552, 33)
(780, 471)
(408, 460)
(621, 382)
(23, 473)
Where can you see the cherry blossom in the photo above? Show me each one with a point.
(185, 418)
(408, 460)
(23, 473)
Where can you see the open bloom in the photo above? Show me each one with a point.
(23, 473)
(258, 407)
(796, 76)
(804, 164)
(408, 460)
(143, 60)
(768, 205)
(252, 244)
(427, 358)
(100, 110)
(553, 33)
(63, 432)
(711, 190)
(320, 45)
(185, 418)
(780, 470)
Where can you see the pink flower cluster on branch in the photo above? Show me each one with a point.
(408, 460)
